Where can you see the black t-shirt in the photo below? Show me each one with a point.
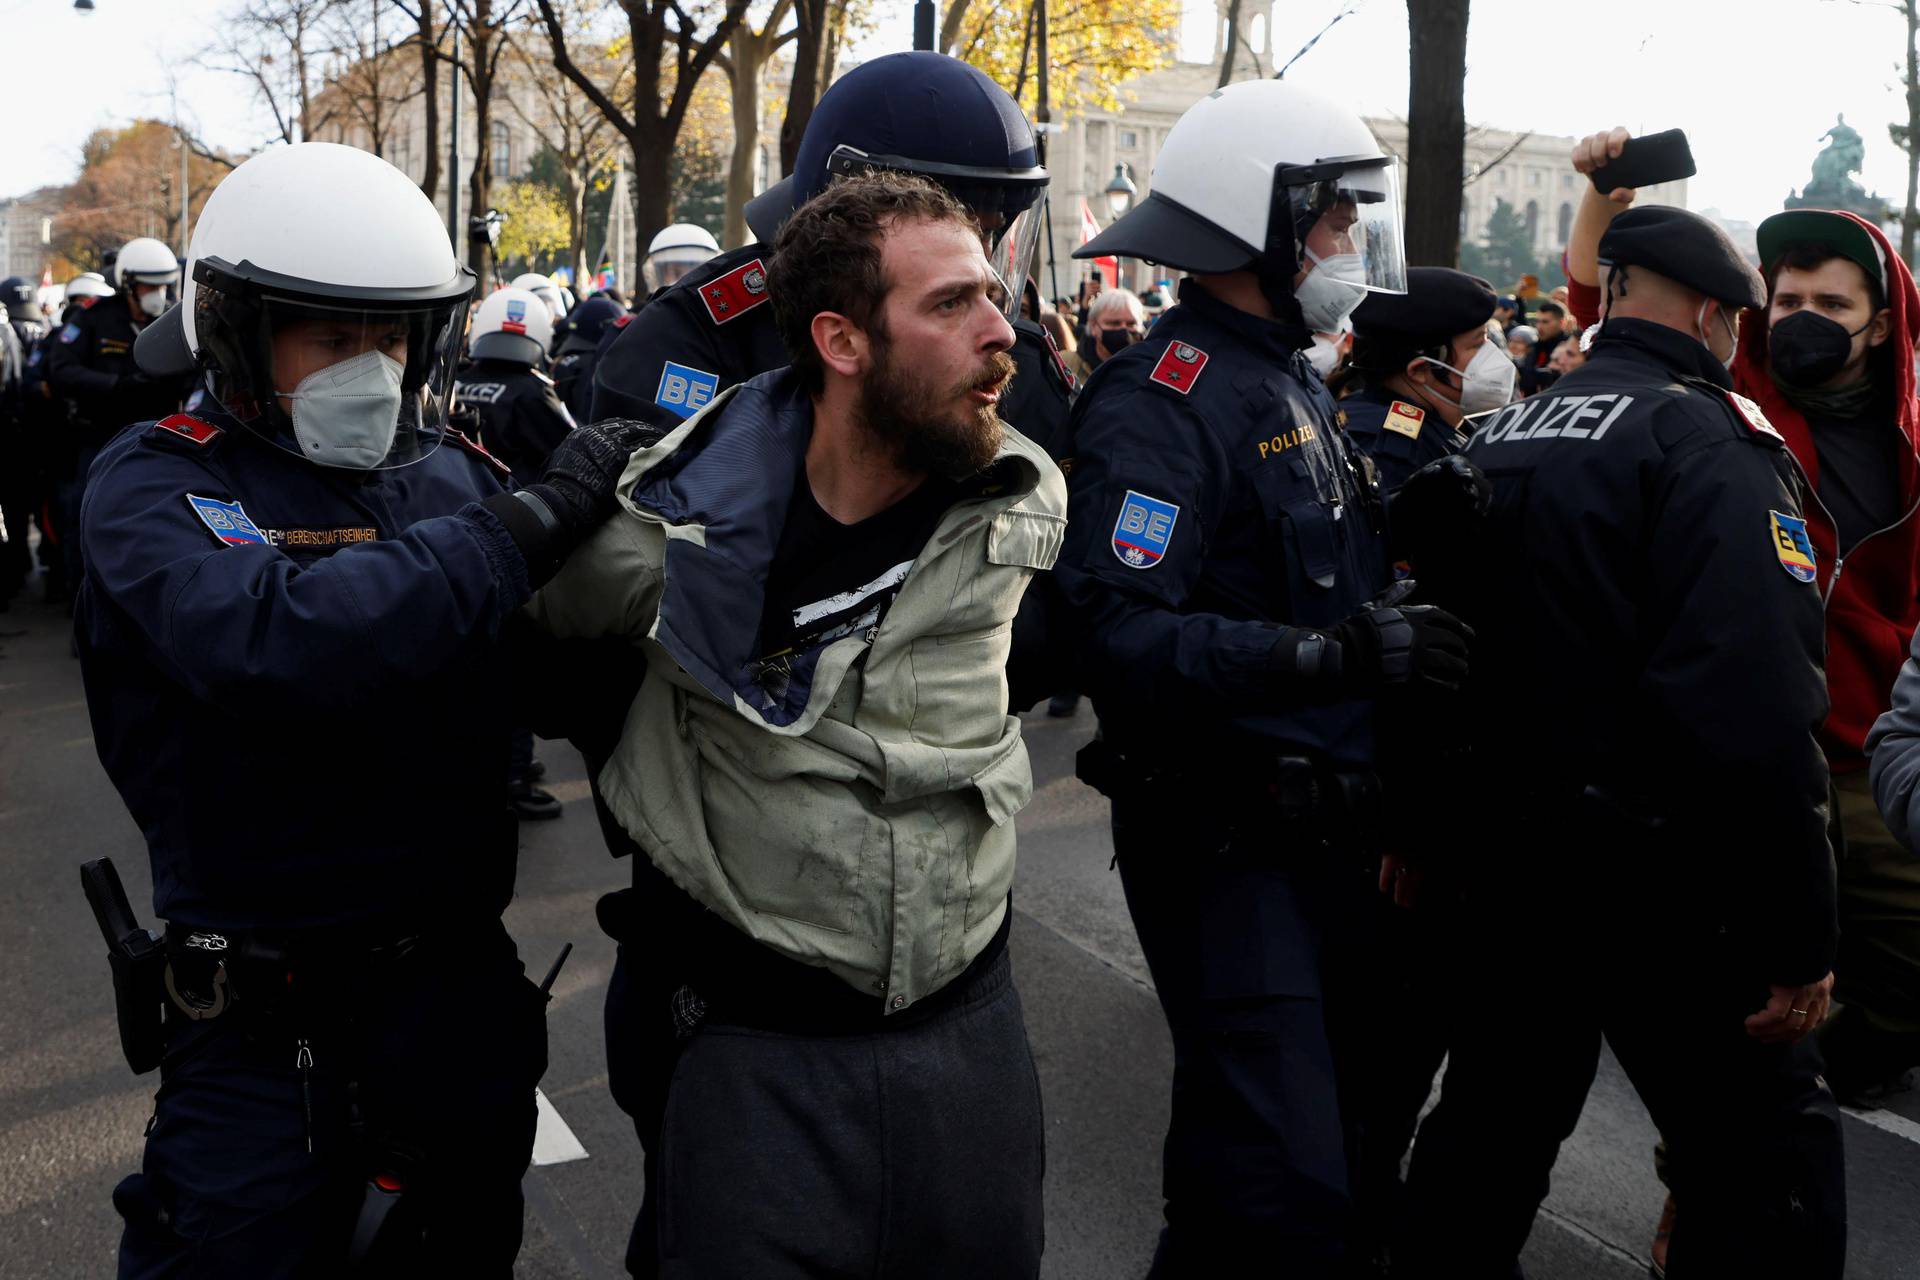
(1859, 473)
(829, 579)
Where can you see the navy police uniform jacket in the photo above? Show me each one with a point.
(1400, 436)
(1213, 500)
(90, 362)
(521, 417)
(714, 327)
(1649, 629)
(293, 680)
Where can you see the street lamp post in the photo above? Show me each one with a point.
(1119, 194)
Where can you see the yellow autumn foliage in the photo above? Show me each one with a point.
(1094, 47)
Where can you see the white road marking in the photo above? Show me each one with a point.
(553, 1142)
(1890, 1121)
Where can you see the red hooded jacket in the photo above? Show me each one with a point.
(1873, 597)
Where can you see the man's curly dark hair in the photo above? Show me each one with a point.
(827, 256)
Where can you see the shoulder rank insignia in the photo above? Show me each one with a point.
(461, 440)
(1751, 414)
(735, 293)
(188, 427)
(1144, 530)
(1179, 367)
(1405, 419)
(1793, 546)
(228, 521)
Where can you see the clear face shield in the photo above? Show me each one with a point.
(1007, 203)
(669, 265)
(357, 388)
(1346, 221)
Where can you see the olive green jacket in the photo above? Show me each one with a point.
(852, 808)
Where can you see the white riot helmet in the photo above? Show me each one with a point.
(146, 262)
(1268, 176)
(544, 289)
(512, 324)
(677, 250)
(324, 301)
(88, 284)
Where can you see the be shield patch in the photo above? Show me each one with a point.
(1179, 367)
(515, 321)
(1793, 546)
(685, 391)
(229, 523)
(734, 294)
(1144, 530)
(70, 334)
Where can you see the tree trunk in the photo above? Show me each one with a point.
(1436, 129)
(1910, 217)
(430, 88)
(652, 187)
(480, 181)
(749, 57)
(809, 58)
(1232, 41)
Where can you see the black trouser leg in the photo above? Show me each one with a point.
(1761, 1180)
(1254, 1162)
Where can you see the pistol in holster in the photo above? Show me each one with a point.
(138, 962)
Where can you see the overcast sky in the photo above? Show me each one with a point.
(1755, 83)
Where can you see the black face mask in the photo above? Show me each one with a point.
(1114, 341)
(1806, 348)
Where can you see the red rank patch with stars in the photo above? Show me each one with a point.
(735, 293)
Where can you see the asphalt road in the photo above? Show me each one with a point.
(71, 1115)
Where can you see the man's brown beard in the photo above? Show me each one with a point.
(903, 414)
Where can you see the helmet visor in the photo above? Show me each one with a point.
(357, 388)
(1346, 207)
(1011, 248)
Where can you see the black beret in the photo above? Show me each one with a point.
(1439, 304)
(1686, 249)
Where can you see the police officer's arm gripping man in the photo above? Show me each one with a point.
(240, 624)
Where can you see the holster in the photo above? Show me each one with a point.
(137, 961)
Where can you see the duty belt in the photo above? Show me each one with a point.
(1297, 791)
(207, 969)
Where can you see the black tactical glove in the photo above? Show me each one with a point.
(1408, 644)
(574, 495)
(1437, 504)
(1378, 647)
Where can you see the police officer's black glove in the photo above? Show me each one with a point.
(1437, 505)
(574, 495)
(1412, 644)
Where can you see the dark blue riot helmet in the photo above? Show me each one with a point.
(932, 115)
(589, 322)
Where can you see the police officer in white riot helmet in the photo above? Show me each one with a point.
(677, 250)
(1229, 558)
(289, 632)
(89, 364)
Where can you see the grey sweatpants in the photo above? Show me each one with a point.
(915, 1151)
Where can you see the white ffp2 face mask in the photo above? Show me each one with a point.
(346, 415)
(1486, 383)
(1324, 355)
(154, 302)
(1334, 287)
